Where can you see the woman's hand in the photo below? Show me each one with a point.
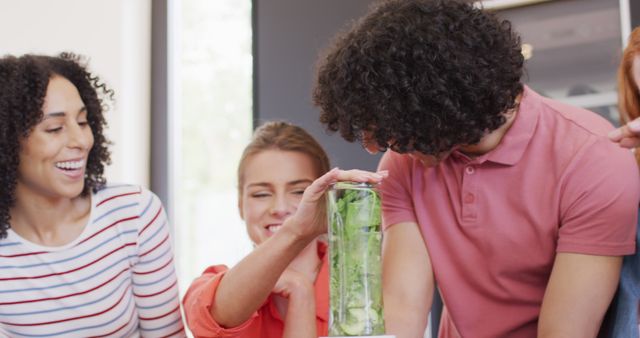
(294, 285)
(628, 136)
(300, 318)
(247, 285)
(309, 220)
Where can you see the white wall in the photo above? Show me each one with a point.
(115, 36)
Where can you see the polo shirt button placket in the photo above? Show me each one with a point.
(469, 198)
(469, 212)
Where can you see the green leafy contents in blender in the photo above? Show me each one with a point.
(356, 281)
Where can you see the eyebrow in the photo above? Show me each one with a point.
(264, 184)
(62, 114)
(296, 182)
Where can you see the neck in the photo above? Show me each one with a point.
(48, 221)
(493, 139)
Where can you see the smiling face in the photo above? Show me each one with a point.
(274, 181)
(53, 157)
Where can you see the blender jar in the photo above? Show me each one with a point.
(355, 240)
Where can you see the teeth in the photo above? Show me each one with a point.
(69, 165)
(274, 228)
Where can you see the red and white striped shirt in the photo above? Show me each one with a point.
(117, 279)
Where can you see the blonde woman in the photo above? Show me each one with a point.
(281, 288)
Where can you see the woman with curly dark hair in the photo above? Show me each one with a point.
(516, 204)
(78, 257)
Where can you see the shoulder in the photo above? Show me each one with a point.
(215, 270)
(124, 195)
(393, 159)
(126, 204)
(403, 169)
(399, 164)
(579, 142)
(202, 288)
(115, 193)
(601, 177)
(597, 156)
(116, 204)
(581, 118)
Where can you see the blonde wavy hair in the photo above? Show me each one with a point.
(628, 92)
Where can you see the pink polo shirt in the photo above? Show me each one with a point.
(493, 224)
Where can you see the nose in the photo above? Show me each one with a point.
(280, 207)
(80, 136)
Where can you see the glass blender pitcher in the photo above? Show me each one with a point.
(355, 240)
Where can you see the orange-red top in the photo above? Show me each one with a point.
(264, 323)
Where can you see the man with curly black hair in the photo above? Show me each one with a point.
(78, 257)
(517, 205)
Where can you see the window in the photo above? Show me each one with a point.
(211, 124)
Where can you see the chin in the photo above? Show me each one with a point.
(72, 192)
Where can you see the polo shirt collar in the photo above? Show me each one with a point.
(514, 143)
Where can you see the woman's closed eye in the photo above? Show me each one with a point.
(53, 129)
(298, 191)
(299, 187)
(260, 194)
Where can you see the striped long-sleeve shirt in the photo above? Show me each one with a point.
(117, 279)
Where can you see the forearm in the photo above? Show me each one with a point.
(404, 321)
(407, 295)
(247, 285)
(300, 321)
(578, 294)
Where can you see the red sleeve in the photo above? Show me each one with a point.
(599, 203)
(396, 190)
(197, 304)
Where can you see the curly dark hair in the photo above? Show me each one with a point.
(427, 75)
(23, 87)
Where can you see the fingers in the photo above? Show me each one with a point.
(320, 185)
(634, 126)
(629, 142)
(618, 134)
(629, 130)
(356, 175)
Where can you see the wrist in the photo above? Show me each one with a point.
(302, 296)
(299, 232)
(302, 288)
